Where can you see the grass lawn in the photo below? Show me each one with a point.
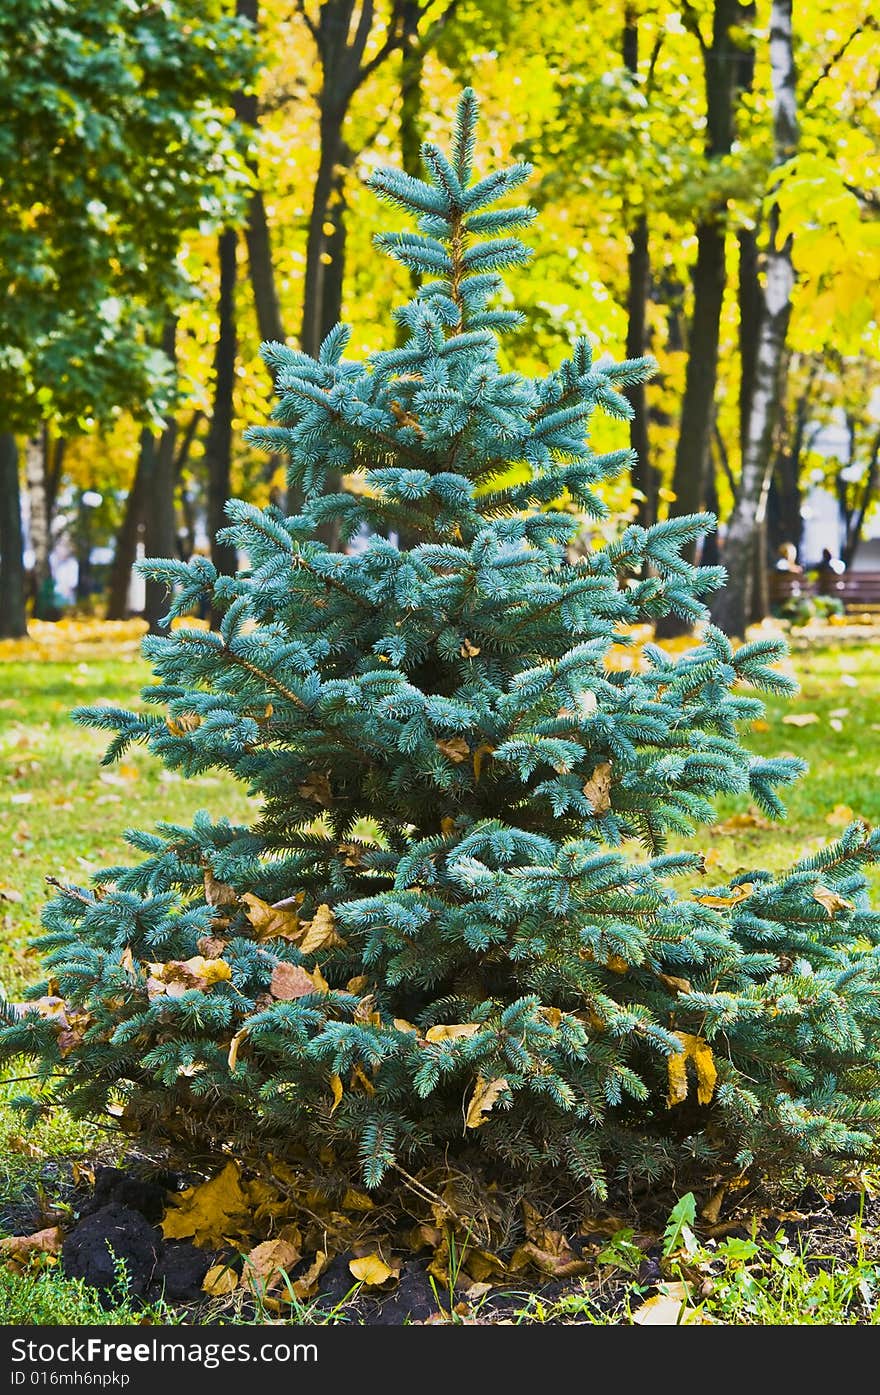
(62, 814)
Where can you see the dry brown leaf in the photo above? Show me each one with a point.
(219, 1281)
(486, 1093)
(675, 985)
(697, 1050)
(305, 1285)
(451, 1031)
(20, 1248)
(210, 1213)
(830, 899)
(553, 1015)
(267, 1263)
(712, 1210)
(317, 789)
(126, 962)
(270, 922)
(371, 1270)
(598, 788)
(468, 650)
(290, 981)
(455, 748)
(218, 893)
(212, 946)
(358, 984)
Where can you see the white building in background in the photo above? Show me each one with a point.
(823, 525)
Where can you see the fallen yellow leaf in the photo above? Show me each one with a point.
(722, 903)
(291, 981)
(178, 976)
(598, 788)
(320, 932)
(232, 1058)
(486, 1092)
(211, 1212)
(337, 1091)
(220, 1280)
(455, 748)
(267, 1263)
(697, 1050)
(371, 1270)
(451, 1031)
(830, 899)
(840, 816)
(799, 719)
(268, 921)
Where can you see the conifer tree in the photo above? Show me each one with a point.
(452, 927)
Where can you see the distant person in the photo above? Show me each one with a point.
(786, 560)
(828, 570)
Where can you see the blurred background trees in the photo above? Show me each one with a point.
(180, 181)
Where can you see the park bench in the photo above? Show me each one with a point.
(857, 591)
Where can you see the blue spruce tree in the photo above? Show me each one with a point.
(437, 937)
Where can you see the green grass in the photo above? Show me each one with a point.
(61, 813)
(45, 1298)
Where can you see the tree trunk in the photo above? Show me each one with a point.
(855, 521)
(218, 447)
(160, 524)
(38, 510)
(13, 622)
(129, 529)
(735, 605)
(325, 250)
(749, 298)
(722, 65)
(644, 476)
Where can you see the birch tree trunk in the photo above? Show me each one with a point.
(38, 509)
(735, 605)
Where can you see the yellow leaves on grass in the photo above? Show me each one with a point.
(699, 1052)
(598, 788)
(486, 1092)
(178, 976)
(17, 1251)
